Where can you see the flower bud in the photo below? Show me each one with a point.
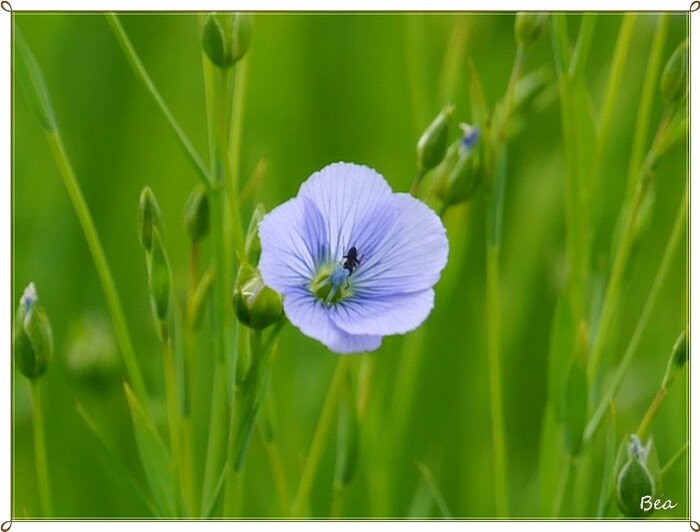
(226, 37)
(432, 145)
(252, 241)
(159, 278)
(92, 351)
(33, 339)
(529, 27)
(674, 80)
(678, 359)
(461, 181)
(634, 479)
(257, 306)
(197, 214)
(149, 218)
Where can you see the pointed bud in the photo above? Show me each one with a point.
(635, 481)
(197, 214)
(257, 306)
(529, 27)
(432, 145)
(674, 80)
(33, 339)
(149, 218)
(461, 182)
(252, 241)
(678, 359)
(226, 37)
(159, 278)
(93, 357)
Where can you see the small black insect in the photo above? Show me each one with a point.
(352, 261)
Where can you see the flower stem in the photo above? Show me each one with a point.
(42, 469)
(493, 314)
(140, 70)
(679, 454)
(651, 412)
(172, 409)
(669, 252)
(101, 265)
(323, 429)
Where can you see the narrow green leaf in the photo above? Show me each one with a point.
(575, 396)
(561, 344)
(29, 76)
(154, 456)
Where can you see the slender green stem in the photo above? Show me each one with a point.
(101, 265)
(614, 84)
(612, 290)
(581, 53)
(674, 459)
(174, 426)
(42, 468)
(323, 429)
(216, 437)
(649, 91)
(631, 350)
(141, 71)
(493, 314)
(651, 412)
(234, 153)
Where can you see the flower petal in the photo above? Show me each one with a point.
(346, 194)
(293, 241)
(313, 319)
(409, 257)
(383, 315)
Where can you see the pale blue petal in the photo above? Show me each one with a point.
(409, 256)
(313, 319)
(293, 240)
(383, 315)
(346, 194)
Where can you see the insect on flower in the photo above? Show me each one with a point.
(382, 285)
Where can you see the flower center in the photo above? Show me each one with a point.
(331, 284)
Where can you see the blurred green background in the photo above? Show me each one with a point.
(324, 88)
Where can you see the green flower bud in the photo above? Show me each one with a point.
(678, 359)
(159, 278)
(252, 241)
(257, 306)
(226, 37)
(197, 214)
(93, 357)
(432, 145)
(529, 27)
(461, 181)
(680, 350)
(674, 80)
(33, 339)
(149, 218)
(634, 479)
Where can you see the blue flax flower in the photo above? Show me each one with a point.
(354, 261)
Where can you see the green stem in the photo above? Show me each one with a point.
(614, 84)
(323, 429)
(42, 469)
(174, 426)
(649, 91)
(583, 45)
(101, 265)
(669, 252)
(679, 454)
(612, 290)
(651, 412)
(493, 314)
(141, 71)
